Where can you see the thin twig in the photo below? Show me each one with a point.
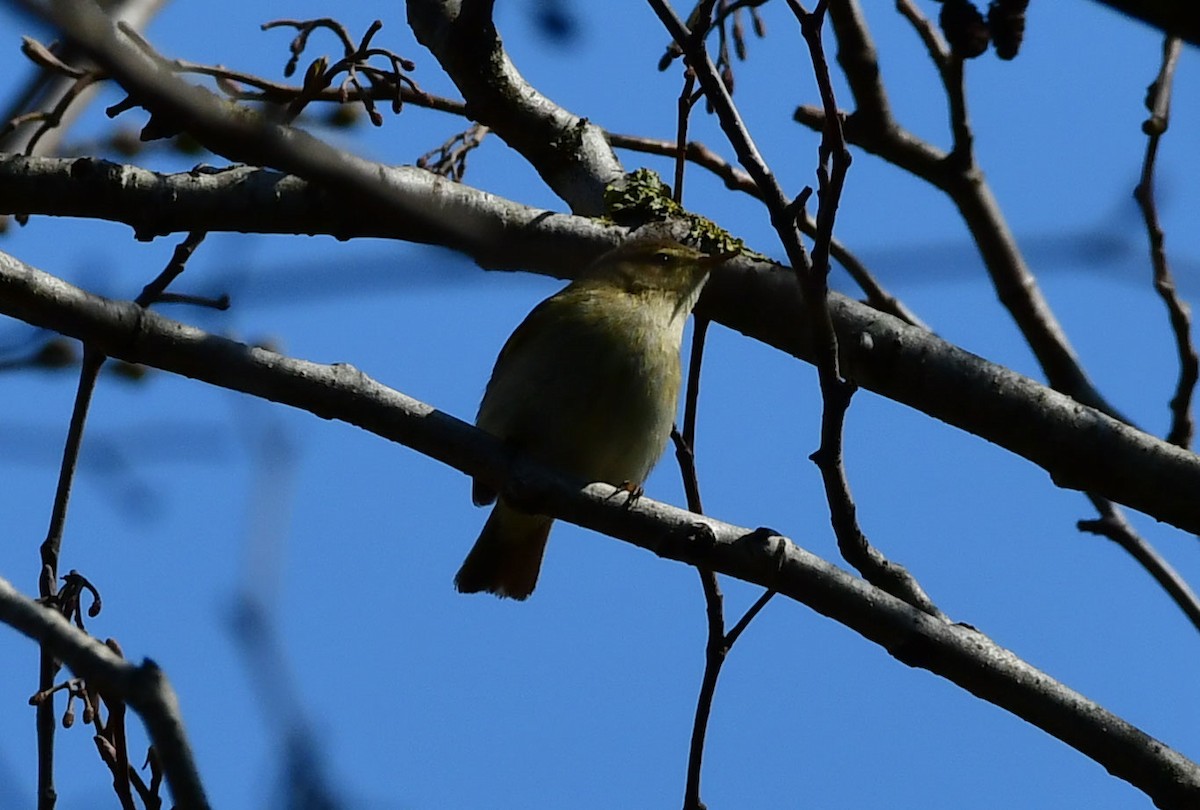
(1113, 525)
(54, 118)
(1158, 102)
(747, 617)
(687, 98)
(51, 549)
(450, 159)
(93, 361)
(876, 295)
(52, 546)
(221, 302)
(714, 610)
(304, 29)
(726, 10)
(837, 392)
(230, 81)
(715, 651)
(183, 251)
(685, 442)
(935, 43)
(873, 128)
(717, 643)
(737, 179)
(690, 404)
(950, 68)
(783, 217)
(716, 646)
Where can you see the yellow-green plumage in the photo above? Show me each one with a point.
(587, 384)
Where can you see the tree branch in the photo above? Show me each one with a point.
(570, 153)
(956, 652)
(246, 199)
(237, 133)
(737, 179)
(1113, 525)
(1158, 103)
(143, 687)
(48, 553)
(1079, 447)
(46, 90)
(1171, 16)
(816, 323)
(872, 128)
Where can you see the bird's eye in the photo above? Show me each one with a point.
(662, 257)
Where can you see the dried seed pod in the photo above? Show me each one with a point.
(964, 28)
(727, 78)
(1006, 22)
(760, 28)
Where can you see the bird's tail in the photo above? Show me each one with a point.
(507, 557)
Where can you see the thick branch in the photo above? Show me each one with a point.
(1080, 448)
(1171, 16)
(341, 392)
(571, 154)
(246, 199)
(234, 132)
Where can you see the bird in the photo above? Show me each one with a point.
(587, 384)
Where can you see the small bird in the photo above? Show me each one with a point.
(588, 384)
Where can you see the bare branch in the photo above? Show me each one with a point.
(871, 127)
(1113, 525)
(143, 687)
(52, 120)
(355, 62)
(154, 291)
(89, 373)
(236, 133)
(46, 92)
(1174, 18)
(450, 159)
(1080, 448)
(950, 66)
(956, 652)
(737, 179)
(957, 174)
(569, 153)
(233, 84)
(1158, 102)
(819, 329)
(836, 392)
(49, 555)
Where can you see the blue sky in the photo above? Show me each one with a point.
(418, 697)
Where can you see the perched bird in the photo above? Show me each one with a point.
(588, 384)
